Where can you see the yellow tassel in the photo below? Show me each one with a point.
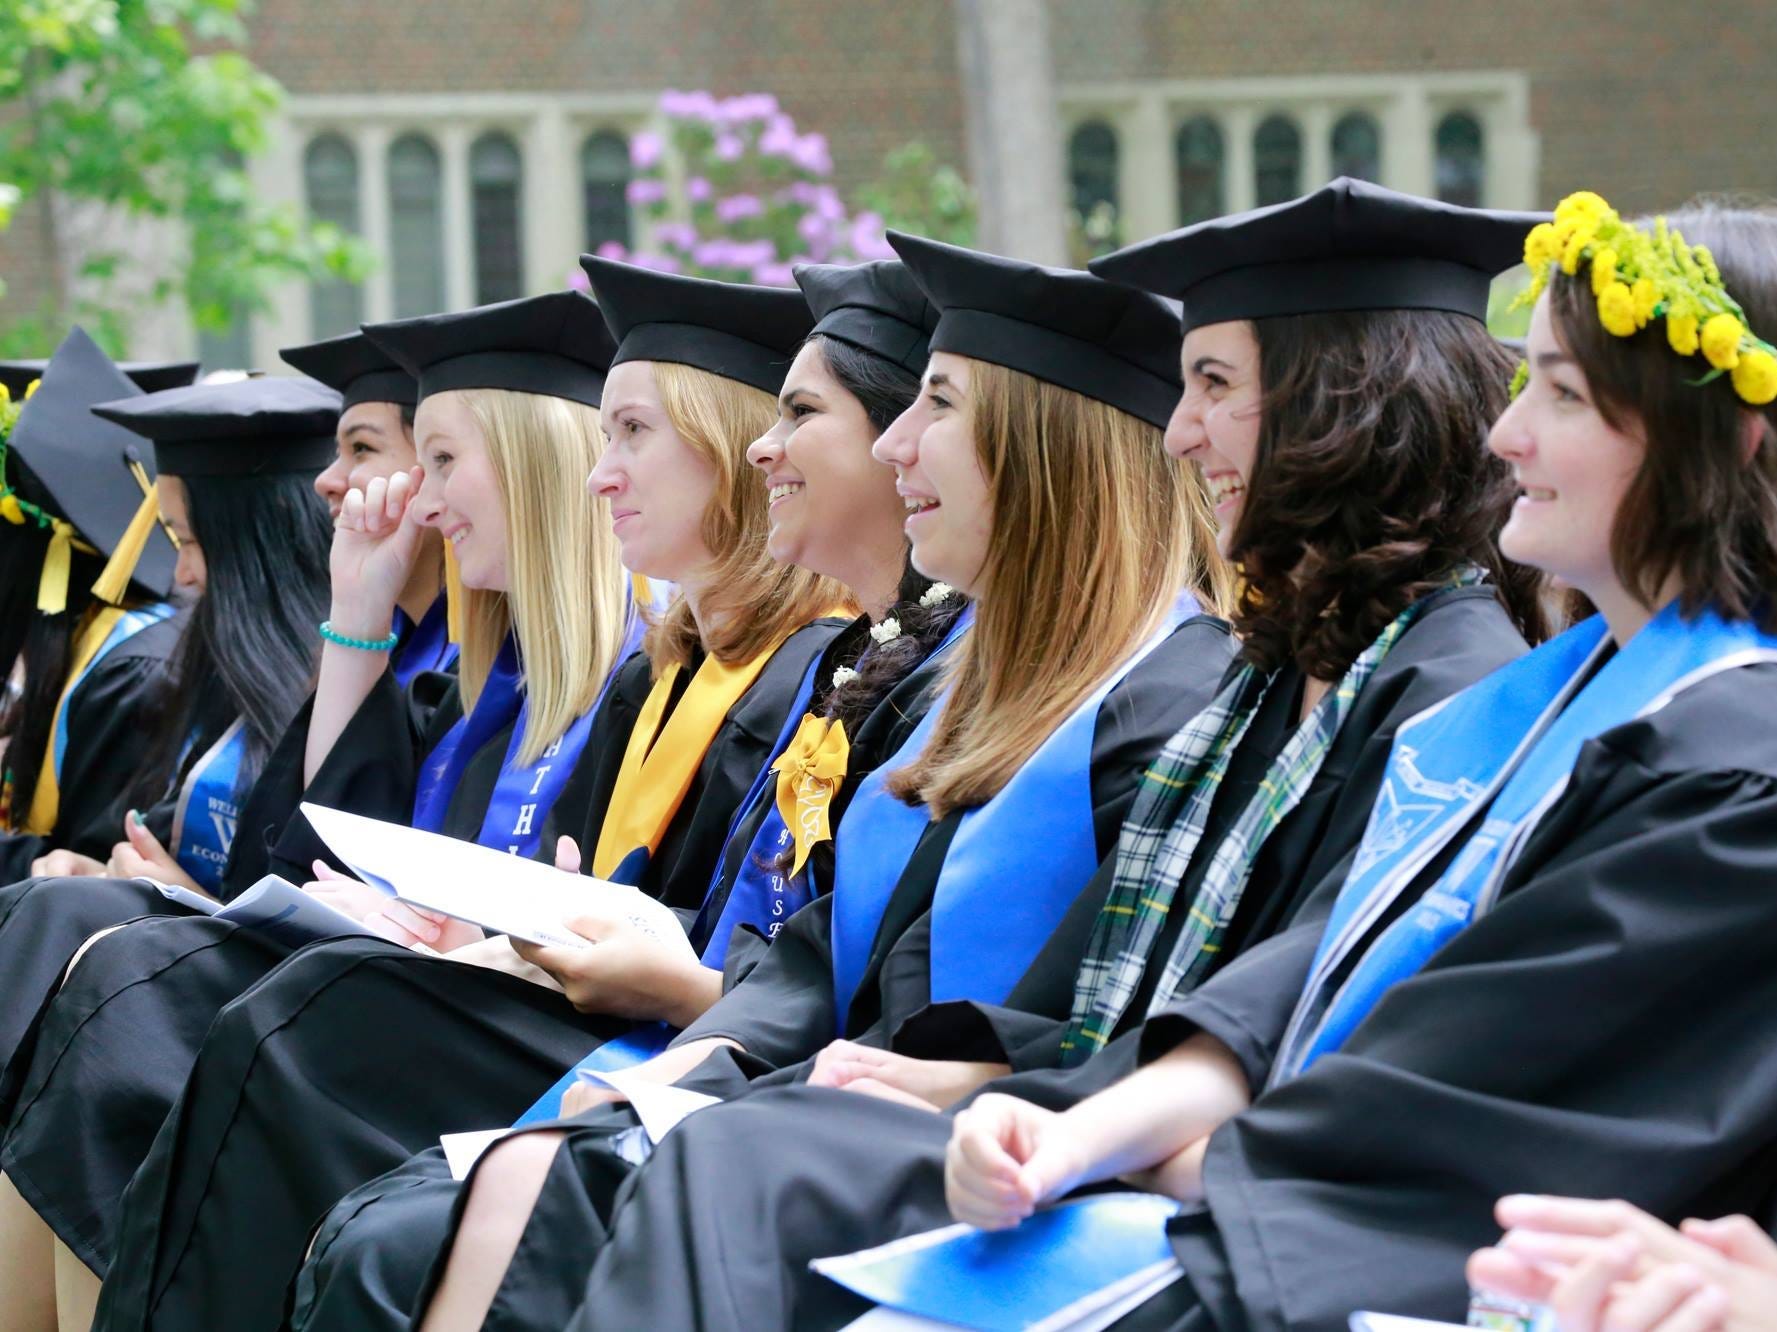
(114, 582)
(52, 584)
(454, 606)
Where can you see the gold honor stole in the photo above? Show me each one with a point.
(660, 762)
(46, 802)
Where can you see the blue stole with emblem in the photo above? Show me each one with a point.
(1505, 745)
(1012, 870)
(208, 808)
(425, 646)
(523, 794)
(127, 627)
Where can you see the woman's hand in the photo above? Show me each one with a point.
(376, 539)
(936, 1083)
(1006, 1158)
(1609, 1265)
(628, 972)
(395, 921)
(67, 865)
(141, 856)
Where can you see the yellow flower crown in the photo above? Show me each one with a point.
(1639, 276)
(12, 509)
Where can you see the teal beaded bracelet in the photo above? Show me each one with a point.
(362, 644)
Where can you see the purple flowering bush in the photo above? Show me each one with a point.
(729, 188)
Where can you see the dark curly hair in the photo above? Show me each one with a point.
(1374, 483)
(1698, 506)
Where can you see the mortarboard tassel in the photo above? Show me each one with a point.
(453, 596)
(52, 583)
(114, 581)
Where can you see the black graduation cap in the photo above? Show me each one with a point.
(876, 307)
(357, 367)
(149, 376)
(555, 344)
(250, 427)
(728, 328)
(81, 468)
(1350, 245)
(1112, 343)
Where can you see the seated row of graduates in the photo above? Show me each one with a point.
(1035, 821)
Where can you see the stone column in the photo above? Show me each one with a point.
(372, 142)
(1009, 97)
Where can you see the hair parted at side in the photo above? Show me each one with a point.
(751, 601)
(1095, 533)
(1700, 506)
(566, 602)
(1373, 483)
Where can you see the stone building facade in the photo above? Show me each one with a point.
(477, 145)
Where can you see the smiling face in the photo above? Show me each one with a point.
(461, 494)
(833, 507)
(1216, 423)
(658, 485)
(939, 476)
(190, 574)
(372, 442)
(1572, 467)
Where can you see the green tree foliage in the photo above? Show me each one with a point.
(916, 192)
(143, 107)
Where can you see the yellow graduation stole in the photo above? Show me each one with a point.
(659, 762)
(46, 800)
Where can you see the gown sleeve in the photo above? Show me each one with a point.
(783, 1011)
(110, 729)
(1602, 1032)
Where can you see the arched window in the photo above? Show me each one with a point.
(1357, 147)
(1092, 183)
(416, 226)
(330, 180)
(1462, 159)
(1277, 160)
(1198, 154)
(496, 174)
(604, 177)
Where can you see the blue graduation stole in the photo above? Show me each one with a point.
(523, 795)
(425, 646)
(1506, 744)
(127, 627)
(208, 808)
(1013, 868)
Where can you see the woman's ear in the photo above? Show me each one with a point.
(1755, 429)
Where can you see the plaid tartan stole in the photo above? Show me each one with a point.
(1165, 825)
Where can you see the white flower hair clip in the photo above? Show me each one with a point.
(842, 676)
(934, 594)
(886, 632)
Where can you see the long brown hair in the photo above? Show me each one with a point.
(1698, 506)
(1095, 531)
(1373, 483)
(752, 602)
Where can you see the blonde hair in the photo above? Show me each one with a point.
(566, 599)
(752, 602)
(1095, 532)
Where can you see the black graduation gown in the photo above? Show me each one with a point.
(483, 1045)
(783, 1012)
(111, 1048)
(110, 728)
(1603, 1032)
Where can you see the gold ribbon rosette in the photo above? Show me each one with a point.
(809, 774)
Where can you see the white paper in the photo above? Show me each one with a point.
(506, 894)
(463, 1150)
(659, 1105)
(277, 906)
(1381, 1322)
(175, 892)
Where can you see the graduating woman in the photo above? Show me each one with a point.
(236, 463)
(71, 489)
(1549, 964)
(830, 508)
(690, 387)
(1032, 467)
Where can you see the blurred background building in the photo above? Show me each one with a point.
(478, 146)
